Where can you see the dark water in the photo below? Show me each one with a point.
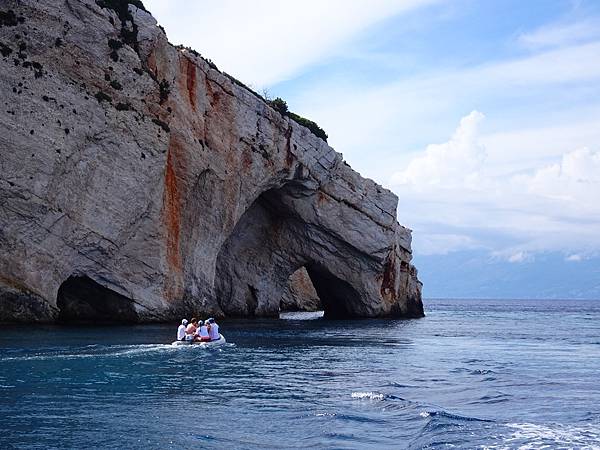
(472, 374)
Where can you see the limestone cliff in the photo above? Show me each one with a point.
(139, 183)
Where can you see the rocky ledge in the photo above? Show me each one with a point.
(140, 183)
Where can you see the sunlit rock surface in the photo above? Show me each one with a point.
(139, 183)
(300, 293)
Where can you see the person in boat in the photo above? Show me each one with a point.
(202, 333)
(181, 330)
(213, 330)
(192, 328)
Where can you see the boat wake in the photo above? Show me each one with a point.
(94, 351)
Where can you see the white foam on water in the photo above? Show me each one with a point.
(534, 436)
(424, 414)
(127, 351)
(368, 395)
(48, 357)
(139, 349)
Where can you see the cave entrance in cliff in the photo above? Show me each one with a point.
(268, 244)
(338, 297)
(82, 300)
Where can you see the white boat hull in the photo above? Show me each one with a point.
(215, 343)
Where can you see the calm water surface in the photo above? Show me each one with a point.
(472, 374)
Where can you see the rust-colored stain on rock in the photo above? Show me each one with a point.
(172, 213)
(151, 63)
(388, 285)
(247, 159)
(172, 219)
(321, 197)
(191, 82)
(223, 138)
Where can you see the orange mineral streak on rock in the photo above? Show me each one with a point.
(247, 159)
(191, 82)
(222, 135)
(151, 63)
(321, 198)
(388, 284)
(172, 221)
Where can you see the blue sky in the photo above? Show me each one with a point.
(483, 117)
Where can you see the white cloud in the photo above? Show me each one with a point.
(552, 90)
(574, 258)
(519, 257)
(568, 191)
(561, 34)
(517, 149)
(444, 243)
(455, 162)
(266, 41)
(554, 66)
(575, 179)
(552, 207)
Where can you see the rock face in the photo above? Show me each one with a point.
(300, 294)
(139, 183)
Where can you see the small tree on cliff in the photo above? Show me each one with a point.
(279, 105)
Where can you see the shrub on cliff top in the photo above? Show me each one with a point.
(281, 106)
(121, 7)
(239, 83)
(277, 104)
(311, 125)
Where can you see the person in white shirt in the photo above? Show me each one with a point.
(203, 332)
(181, 330)
(213, 330)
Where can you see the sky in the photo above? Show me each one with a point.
(483, 117)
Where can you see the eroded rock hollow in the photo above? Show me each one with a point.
(140, 183)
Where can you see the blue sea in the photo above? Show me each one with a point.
(472, 374)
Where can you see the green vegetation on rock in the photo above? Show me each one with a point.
(281, 106)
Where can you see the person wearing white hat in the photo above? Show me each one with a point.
(181, 330)
(202, 332)
(213, 330)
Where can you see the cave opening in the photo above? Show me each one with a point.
(83, 300)
(273, 239)
(338, 297)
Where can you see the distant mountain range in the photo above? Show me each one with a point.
(477, 275)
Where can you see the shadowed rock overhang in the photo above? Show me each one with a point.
(139, 183)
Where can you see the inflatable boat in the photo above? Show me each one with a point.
(214, 343)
